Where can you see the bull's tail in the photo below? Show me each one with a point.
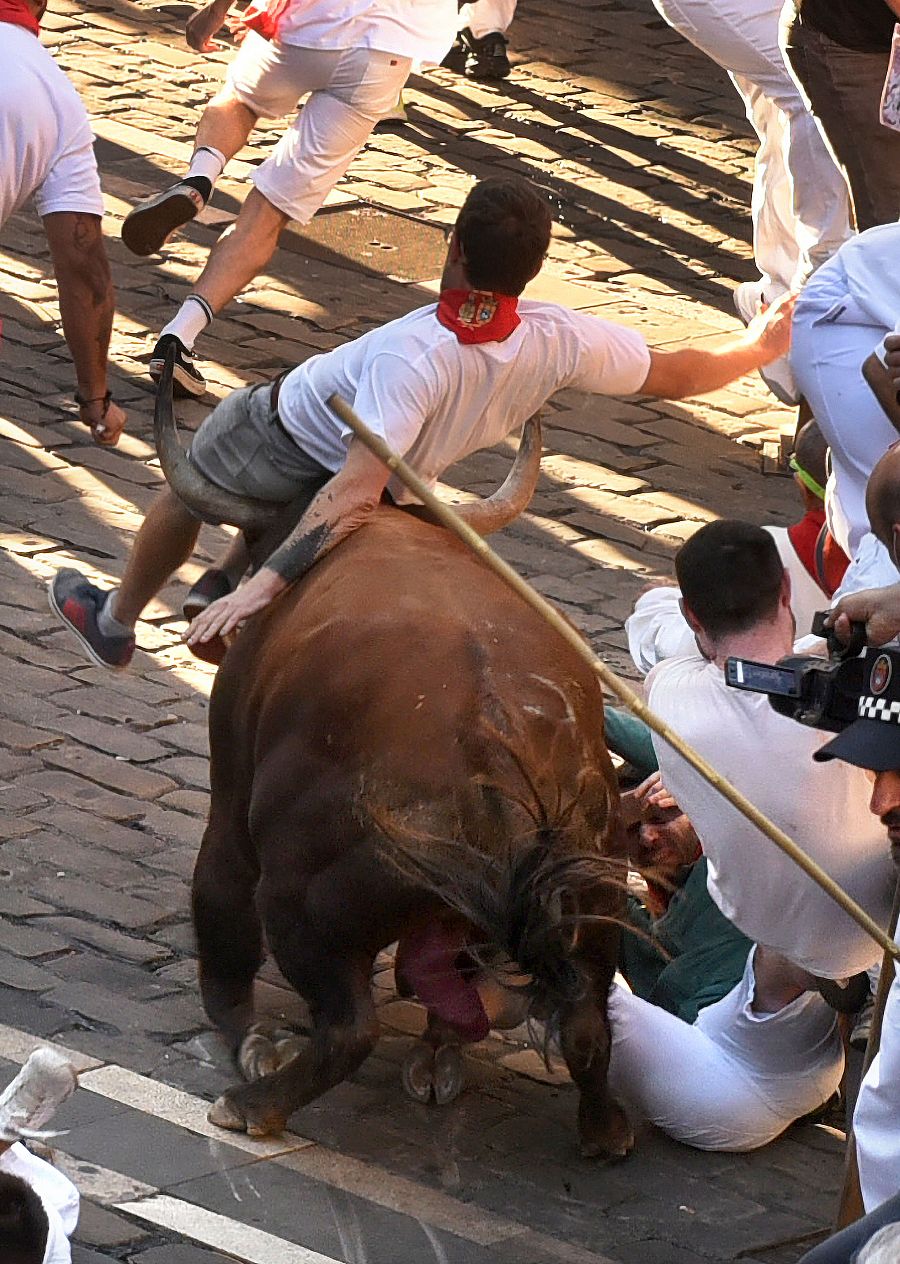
(533, 903)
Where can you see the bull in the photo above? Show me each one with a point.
(401, 752)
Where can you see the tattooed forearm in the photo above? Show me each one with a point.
(300, 550)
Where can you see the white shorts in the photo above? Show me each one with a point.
(349, 91)
(45, 134)
(735, 1079)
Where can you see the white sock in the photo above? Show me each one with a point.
(108, 624)
(208, 162)
(191, 319)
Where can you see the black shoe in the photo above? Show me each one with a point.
(486, 57)
(211, 585)
(189, 381)
(146, 229)
(456, 58)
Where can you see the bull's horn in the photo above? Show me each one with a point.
(511, 498)
(209, 502)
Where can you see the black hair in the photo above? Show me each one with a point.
(23, 1222)
(730, 576)
(811, 452)
(503, 231)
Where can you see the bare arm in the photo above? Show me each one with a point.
(204, 24)
(343, 504)
(87, 304)
(694, 371)
(894, 6)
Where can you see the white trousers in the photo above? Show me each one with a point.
(800, 203)
(349, 91)
(876, 1121)
(735, 1079)
(485, 16)
(832, 336)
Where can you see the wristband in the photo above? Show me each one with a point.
(106, 400)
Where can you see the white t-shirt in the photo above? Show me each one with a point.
(876, 1121)
(822, 807)
(57, 1194)
(435, 401)
(46, 143)
(420, 29)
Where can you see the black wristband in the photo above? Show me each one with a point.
(106, 400)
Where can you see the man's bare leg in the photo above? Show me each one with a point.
(240, 254)
(223, 130)
(165, 541)
(102, 620)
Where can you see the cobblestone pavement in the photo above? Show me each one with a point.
(104, 789)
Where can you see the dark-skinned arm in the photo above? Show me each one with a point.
(86, 303)
(342, 505)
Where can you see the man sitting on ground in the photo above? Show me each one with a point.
(437, 384)
(769, 1052)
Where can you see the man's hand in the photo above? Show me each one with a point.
(106, 427)
(204, 24)
(771, 328)
(892, 358)
(877, 608)
(228, 613)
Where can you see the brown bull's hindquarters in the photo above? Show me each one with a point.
(396, 725)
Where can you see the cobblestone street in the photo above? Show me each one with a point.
(644, 146)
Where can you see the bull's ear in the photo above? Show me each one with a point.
(512, 497)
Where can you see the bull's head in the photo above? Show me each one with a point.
(260, 518)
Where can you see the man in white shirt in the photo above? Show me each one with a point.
(769, 1052)
(47, 157)
(437, 384)
(352, 57)
(849, 308)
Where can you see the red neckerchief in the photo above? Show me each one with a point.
(16, 13)
(803, 536)
(261, 16)
(478, 315)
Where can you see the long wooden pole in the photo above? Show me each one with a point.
(445, 514)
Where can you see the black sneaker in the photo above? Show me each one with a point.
(456, 58)
(189, 381)
(486, 57)
(146, 229)
(78, 602)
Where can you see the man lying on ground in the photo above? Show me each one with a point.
(444, 381)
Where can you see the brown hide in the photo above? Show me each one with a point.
(399, 680)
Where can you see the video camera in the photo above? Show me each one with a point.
(823, 693)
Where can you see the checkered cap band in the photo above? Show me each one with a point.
(879, 709)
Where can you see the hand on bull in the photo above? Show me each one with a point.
(228, 613)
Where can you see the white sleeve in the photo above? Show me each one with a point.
(612, 360)
(393, 399)
(656, 629)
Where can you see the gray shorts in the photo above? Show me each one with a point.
(242, 448)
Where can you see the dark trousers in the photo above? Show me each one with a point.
(842, 1248)
(844, 88)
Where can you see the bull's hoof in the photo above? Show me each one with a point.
(265, 1050)
(610, 1139)
(236, 1111)
(449, 1077)
(433, 1075)
(417, 1073)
